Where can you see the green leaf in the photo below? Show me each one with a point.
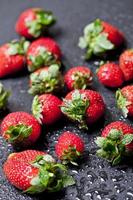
(93, 28)
(113, 147)
(43, 58)
(103, 42)
(127, 139)
(109, 146)
(115, 134)
(44, 19)
(40, 160)
(18, 133)
(117, 160)
(37, 109)
(4, 95)
(70, 155)
(52, 177)
(90, 31)
(82, 43)
(94, 40)
(18, 47)
(100, 141)
(46, 81)
(75, 108)
(68, 180)
(34, 28)
(81, 80)
(122, 102)
(101, 153)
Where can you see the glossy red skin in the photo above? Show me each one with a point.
(110, 75)
(126, 64)
(66, 140)
(127, 92)
(45, 42)
(114, 35)
(16, 118)
(119, 125)
(10, 64)
(18, 168)
(96, 106)
(50, 108)
(21, 28)
(68, 76)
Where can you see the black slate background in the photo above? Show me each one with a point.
(95, 178)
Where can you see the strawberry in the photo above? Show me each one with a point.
(46, 80)
(35, 171)
(3, 97)
(46, 108)
(69, 147)
(20, 128)
(116, 141)
(124, 98)
(110, 75)
(34, 22)
(12, 57)
(100, 37)
(43, 52)
(83, 106)
(79, 77)
(126, 64)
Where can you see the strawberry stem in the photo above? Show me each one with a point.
(114, 147)
(75, 108)
(46, 81)
(52, 176)
(18, 133)
(122, 102)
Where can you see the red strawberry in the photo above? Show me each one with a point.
(113, 34)
(20, 128)
(83, 106)
(46, 108)
(79, 77)
(33, 22)
(43, 52)
(100, 37)
(124, 99)
(3, 97)
(69, 147)
(126, 64)
(12, 57)
(116, 142)
(35, 171)
(110, 75)
(46, 80)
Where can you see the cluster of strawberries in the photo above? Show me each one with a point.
(35, 171)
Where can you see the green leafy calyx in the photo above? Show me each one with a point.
(70, 155)
(3, 97)
(47, 81)
(18, 47)
(76, 107)
(94, 40)
(81, 81)
(43, 58)
(37, 109)
(52, 176)
(44, 19)
(122, 102)
(18, 133)
(113, 147)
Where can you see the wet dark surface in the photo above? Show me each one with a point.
(95, 178)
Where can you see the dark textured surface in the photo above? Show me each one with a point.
(95, 178)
